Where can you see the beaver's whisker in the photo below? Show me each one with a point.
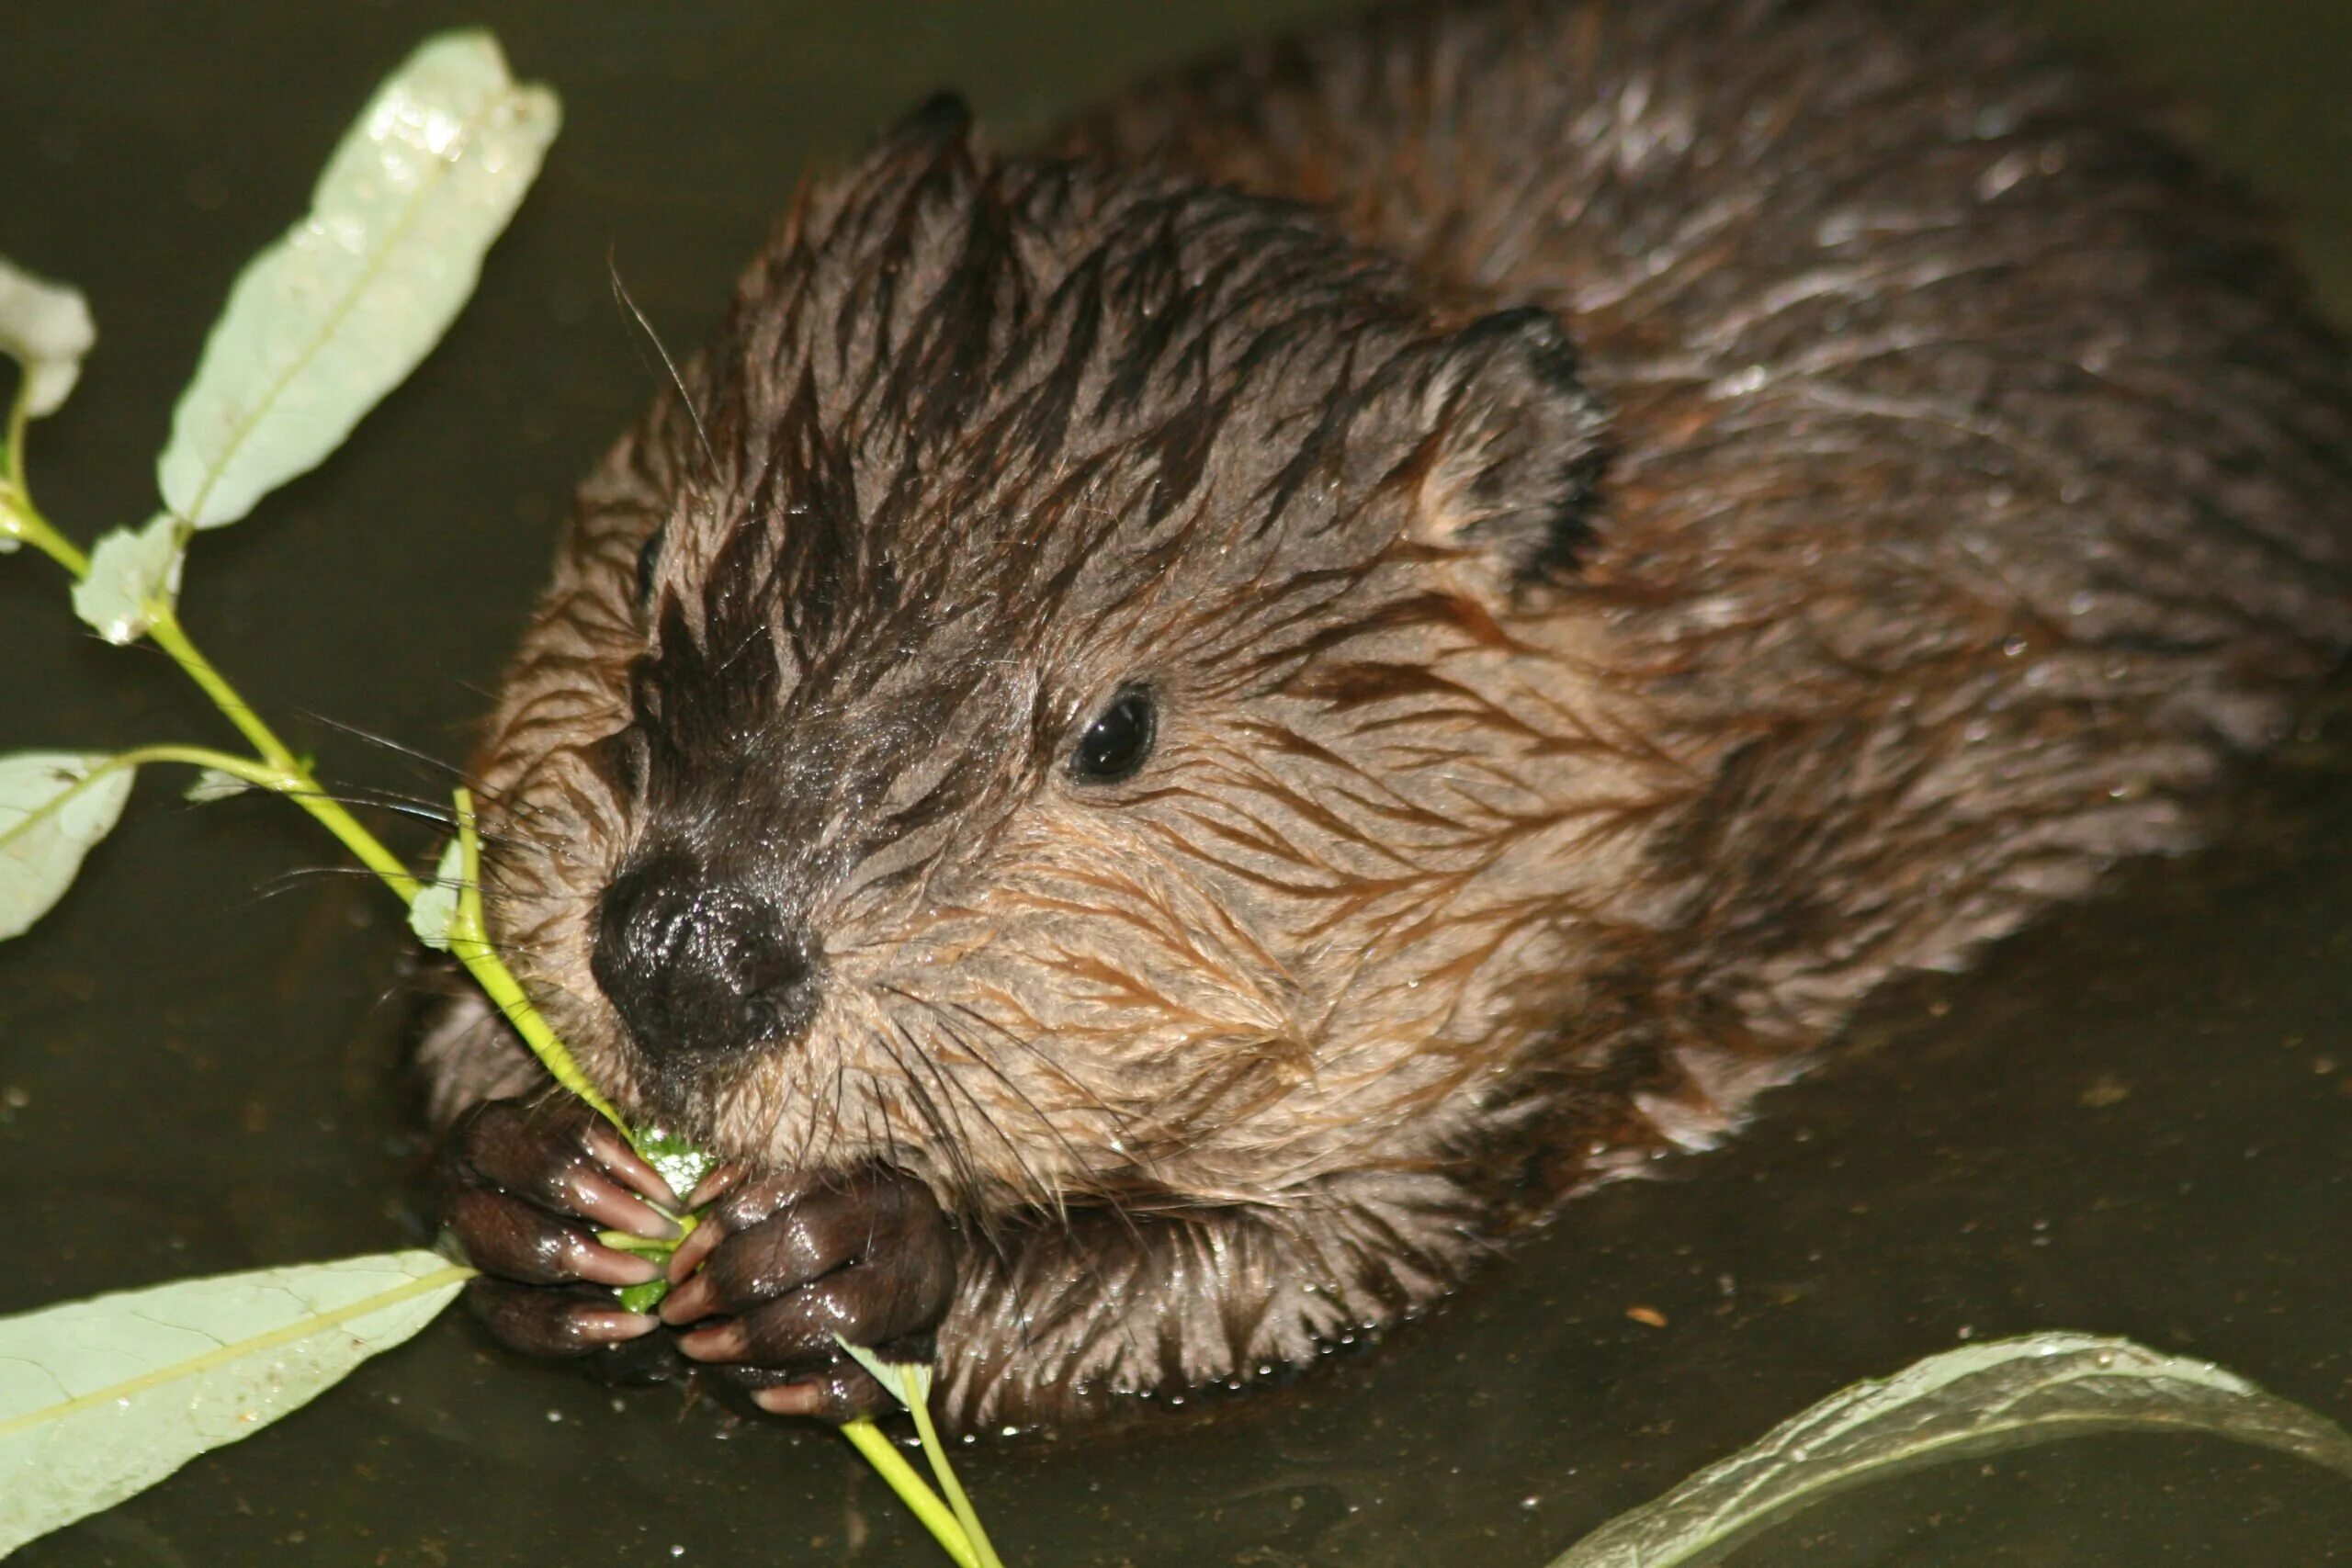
(1084, 1161)
(685, 398)
(944, 1144)
(400, 749)
(1051, 1192)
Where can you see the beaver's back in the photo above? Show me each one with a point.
(1979, 471)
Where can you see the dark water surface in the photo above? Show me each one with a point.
(2136, 1119)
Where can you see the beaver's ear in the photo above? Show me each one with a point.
(941, 118)
(1514, 450)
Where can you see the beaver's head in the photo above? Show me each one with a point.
(1092, 698)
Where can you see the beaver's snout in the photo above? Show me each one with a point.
(697, 965)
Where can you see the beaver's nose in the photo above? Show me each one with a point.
(697, 965)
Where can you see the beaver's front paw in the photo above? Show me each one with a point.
(781, 1264)
(524, 1186)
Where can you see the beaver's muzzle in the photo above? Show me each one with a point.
(698, 965)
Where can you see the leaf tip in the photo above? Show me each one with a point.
(434, 908)
(46, 327)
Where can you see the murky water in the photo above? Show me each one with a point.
(2136, 1119)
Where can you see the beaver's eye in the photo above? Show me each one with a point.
(1118, 741)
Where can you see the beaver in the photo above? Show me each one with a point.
(1165, 738)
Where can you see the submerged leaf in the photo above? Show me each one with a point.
(132, 573)
(101, 1398)
(2007, 1393)
(321, 325)
(432, 910)
(46, 328)
(53, 807)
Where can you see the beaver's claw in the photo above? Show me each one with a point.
(524, 1186)
(780, 1265)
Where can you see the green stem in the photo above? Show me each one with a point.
(469, 942)
(261, 775)
(965, 1515)
(257, 773)
(305, 791)
(21, 520)
(173, 639)
(20, 419)
(885, 1456)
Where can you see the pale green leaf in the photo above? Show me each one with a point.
(909, 1382)
(432, 910)
(46, 328)
(678, 1162)
(2005, 1394)
(321, 325)
(212, 784)
(133, 573)
(676, 1159)
(53, 807)
(101, 1398)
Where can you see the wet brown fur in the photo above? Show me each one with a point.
(1944, 481)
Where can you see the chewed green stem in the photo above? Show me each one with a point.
(892, 1466)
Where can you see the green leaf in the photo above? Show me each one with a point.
(53, 807)
(644, 1297)
(212, 784)
(324, 322)
(133, 572)
(682, 1166)
(101, 1398)
(431, 912)
(46, 328)
(909, 1382)
(2007, 1393)
(677, 1160)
